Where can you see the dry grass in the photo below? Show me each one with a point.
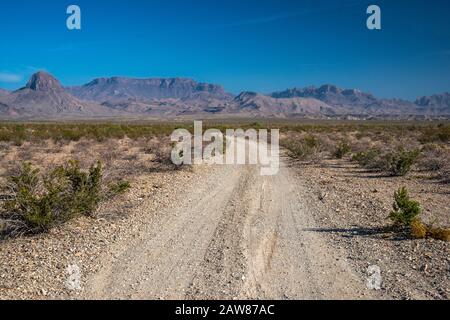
(395, 149)
(421, 152)
(48, 147)
(418, 230)
(129, 149)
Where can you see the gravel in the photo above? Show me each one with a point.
(354, 208)
(36, 267)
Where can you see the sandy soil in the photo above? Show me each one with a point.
(233, 234)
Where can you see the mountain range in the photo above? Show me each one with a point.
(44, 97)
(3, 92)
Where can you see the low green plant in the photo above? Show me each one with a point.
(40, 201)
(406, 215)
(85, 187)
(342, 150)
(119, 187)
(366, 158)
(405, 211)
(400, 163)
(304, 148)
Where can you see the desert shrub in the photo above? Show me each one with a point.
(342, 150)
(311, 142)
(304, 148)
(297, 149)
(439, 133)
(119, 187)
(38, 209)
(434, 158)
(405, 211)
(64, 132)
(366, 158)
(418, 230)
(38, 202)
(401, 162)
(68, 135)
(438, 233)
(406, 216)
(397, 163)
(161, 148)
(85, 187)
(445, 174)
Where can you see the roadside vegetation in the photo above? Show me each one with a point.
(393, 154)
(40, 162)
(395, 149)
(406, 215)
(49, 173)
(59, 132)
(37, 202)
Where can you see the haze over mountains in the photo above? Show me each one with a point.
(104, 89)
(45, 97)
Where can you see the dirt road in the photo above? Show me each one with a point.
(234, 235)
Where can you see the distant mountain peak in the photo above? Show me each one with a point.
(44, 96)
(437, 99)
(329, 88)
(438, 103)
(330, 94)
(106, 89)
(4, 92)
(43, 81)
(247, 94)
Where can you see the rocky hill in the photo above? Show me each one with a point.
(45, 97)
(437, 104)
(117, 88)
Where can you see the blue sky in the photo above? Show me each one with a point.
(259, 45)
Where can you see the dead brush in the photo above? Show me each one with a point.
(160, 147)
(307, 148)
(435, 159)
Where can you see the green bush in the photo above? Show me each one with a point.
(85, 187)
(39, 202)
(38, 209)
(401, 162)
(298, 150)
(119, 187)
(397, 163)
(439, 133)
(304, 148)
(366, 159)
(342, 150)
(405, 211)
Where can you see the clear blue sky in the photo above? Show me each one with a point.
(259, 45)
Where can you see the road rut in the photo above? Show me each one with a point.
(235, 235)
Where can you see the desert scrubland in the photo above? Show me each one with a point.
(107, 198)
